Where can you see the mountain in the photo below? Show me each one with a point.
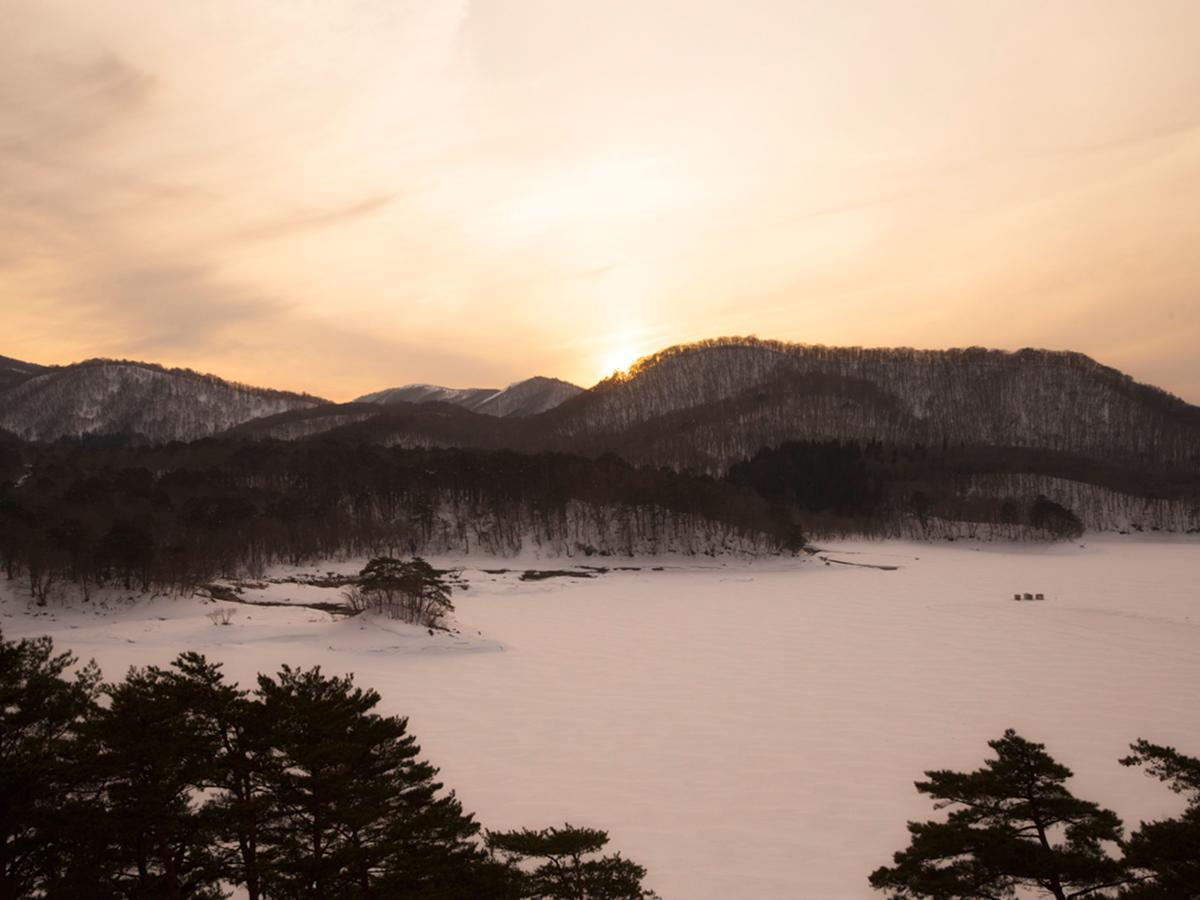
(134, 400)
(14, 371)
(529, 397)
(699, 407)
(524, 398)
(962, 442)
(706, 405)
(468, 398)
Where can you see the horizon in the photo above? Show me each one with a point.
(750, 338)
(355, 197)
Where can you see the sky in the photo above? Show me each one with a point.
(339, 197)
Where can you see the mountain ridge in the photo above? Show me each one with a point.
(527, 397)
(701, 405)
(135, 400)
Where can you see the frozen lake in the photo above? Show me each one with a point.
(750, 730)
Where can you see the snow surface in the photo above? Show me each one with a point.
(743, 729)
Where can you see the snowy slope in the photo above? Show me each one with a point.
(529, 397)
(430, 393)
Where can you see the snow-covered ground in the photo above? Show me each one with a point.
(743, 729)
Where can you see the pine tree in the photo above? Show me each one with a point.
(571, 869)
(155, 754)
(1012, 825)
(413, 591)
(244, 765)
(41, 713)
(356, 811)
(1165, 854)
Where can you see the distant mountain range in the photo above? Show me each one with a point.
(959, 432)
(698, 406)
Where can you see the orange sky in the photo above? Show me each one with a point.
(340, 197)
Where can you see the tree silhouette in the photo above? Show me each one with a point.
(1013, 824)
(1165, 854)
(569, 866)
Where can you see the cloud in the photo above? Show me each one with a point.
(48, 103)
(294, 223)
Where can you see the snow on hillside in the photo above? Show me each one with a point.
(523, 398)
(529, 397)
(744, 729)
(107, 397)
(430, 393)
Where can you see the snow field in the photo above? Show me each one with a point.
(746, 729)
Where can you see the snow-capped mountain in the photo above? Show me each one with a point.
(134, 399)
(529, 397)
(430, 393)
(523, 398)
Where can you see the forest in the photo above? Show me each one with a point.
(180, 515)
(176, 516)
(917, 491)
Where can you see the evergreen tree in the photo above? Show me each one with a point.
(1165, 854)
(41, 713)
(155, 753)
(244, 765)
(570, 868)
(1012, 825)
(355, 809)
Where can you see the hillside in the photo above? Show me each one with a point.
(14, 371)
(707, 405)
(134, 400)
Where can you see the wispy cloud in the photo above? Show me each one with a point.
(308, 220)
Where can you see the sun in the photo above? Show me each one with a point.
(618, 360)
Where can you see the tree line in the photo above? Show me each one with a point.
(181, 515)
(868, 487)
(174, 784)
(1013, 825)
(176, 516)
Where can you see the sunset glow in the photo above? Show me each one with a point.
(618, 360)
(370, 194)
